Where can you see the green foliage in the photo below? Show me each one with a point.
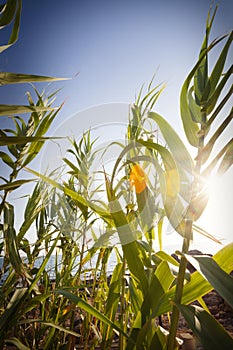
(195, 316)
(10, 11)
(154, 178)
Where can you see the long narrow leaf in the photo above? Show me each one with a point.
(210, 333)
(205, 153)
(8, 13)
(219, 279)
(9, 316)
(89, 308)
(218, 68)
(43, 264)
(210, 104)
(19, 140)
(6, 110)
(18, 78)
(176, 146)
(198, 286)
(13, 185)
(227, 160)
(190, 127)
(78, 198)
(16, 342)
(9, 10)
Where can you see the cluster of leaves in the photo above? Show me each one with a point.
(80, 302)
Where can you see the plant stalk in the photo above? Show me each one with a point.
(179, 286)
(171, 345)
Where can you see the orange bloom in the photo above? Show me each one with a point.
(138, 178)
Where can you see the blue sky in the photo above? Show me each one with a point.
(115, 47)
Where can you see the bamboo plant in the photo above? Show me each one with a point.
(160, 181)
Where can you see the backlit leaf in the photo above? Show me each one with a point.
(13, 185)
(219, 279)
(176, 146)
(210, 333)
(19, 140)
(218, 68)
(18, 78)
(6, 110)
(227, 160)
(88, 308)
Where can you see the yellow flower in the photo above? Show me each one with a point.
(138, 178)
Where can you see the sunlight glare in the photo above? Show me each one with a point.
(217, 217)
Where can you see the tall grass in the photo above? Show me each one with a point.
(153, 179)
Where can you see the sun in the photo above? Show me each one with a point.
(217, 218)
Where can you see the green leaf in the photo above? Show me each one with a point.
(127, 238)
(206, 234)
(16, 342)
(113, 299)
(114, 291)
(160, 233)
(227, 160)
(195, 109)
(43, 264)
(190, 127)
(78, 198)
(146, 209)
(10, 315)
(159, 285)
(218, 109)
(206, 151)
(6, 110)
(8, 13)
(6, 18)
(34, 148)
(198, 285)
(218, 278)
(201, 74)
(162, 255)
(19, 78)
(224, 257)
(13, 185)
(218, 69)
(11, 240)
(211, 102)
(53, 325)
(16, 26)
(89, 308)
(159, 340)
(19, 140)
(104, 239)
(210, 333)
(7, 159)
(170, 184)
(150, 98)
(206, 173)
(176, 146)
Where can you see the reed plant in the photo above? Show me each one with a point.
(77, 303)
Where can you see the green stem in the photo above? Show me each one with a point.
(186, 242)
(179, 287)
(122, 308)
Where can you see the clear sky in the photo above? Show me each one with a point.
(115, 47)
